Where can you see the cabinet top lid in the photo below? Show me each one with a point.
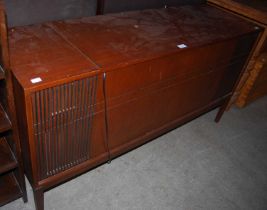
(60, 49)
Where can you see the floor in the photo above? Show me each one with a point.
(201, 165)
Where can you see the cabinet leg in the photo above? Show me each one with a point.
(39, 199)
(219, 114)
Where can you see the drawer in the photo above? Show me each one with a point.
(164, 105)
(189, 63)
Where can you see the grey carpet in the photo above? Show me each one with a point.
(201, 165)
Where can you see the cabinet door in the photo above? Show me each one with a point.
(63, 123)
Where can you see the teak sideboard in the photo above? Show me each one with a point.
(90, 89)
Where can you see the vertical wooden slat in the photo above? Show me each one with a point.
(83, 119)
(35, 122)
(73, 95)
(78, 121)
(56, 131)
(65, 125)
(61, 129)
(52, 132)
(87, 111)
(92, 105)
(76, 116)
(49, 117)
(44, 104)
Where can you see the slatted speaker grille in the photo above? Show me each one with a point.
(63, 120)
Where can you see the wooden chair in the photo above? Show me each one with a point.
(12, 181)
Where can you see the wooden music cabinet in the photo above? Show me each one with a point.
(90, 89)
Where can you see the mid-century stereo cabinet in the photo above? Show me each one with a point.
(90, 89)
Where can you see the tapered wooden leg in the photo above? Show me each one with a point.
(39, 199)
(219, 114)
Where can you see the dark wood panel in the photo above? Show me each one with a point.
(7, 159)
(9, 189)
(5, 124)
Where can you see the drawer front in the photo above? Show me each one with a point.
(63, 125)
(149, 110)
(189, 63)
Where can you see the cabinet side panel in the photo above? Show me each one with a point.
(233, 73)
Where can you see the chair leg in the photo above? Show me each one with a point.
(23, 188)
(25, 197)
(222, 109)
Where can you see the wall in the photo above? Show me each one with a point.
(112, 6)
(25, 12)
